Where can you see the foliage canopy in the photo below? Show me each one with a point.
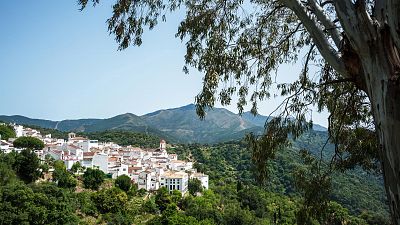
(28, 142)
(6, 132)
(352, 45)
(93, 178)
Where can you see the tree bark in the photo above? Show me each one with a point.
(381, 78)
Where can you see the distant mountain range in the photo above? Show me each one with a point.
(178, 124)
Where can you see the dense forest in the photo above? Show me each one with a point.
(234, 197)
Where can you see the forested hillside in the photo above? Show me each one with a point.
(71, 199)
(235, 197)
(360, 192)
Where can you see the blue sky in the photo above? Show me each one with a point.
(57, 62)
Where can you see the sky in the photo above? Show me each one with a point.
(57, 62)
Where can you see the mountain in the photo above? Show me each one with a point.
(25, 120)
(177, 124)
(184, 123)
(257, 120)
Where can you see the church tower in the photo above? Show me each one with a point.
(163, 145)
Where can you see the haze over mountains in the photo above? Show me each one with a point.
(177, 124)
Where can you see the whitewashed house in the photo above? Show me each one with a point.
(202, 177)
(173, 180)
(5, 146)
(100, 161)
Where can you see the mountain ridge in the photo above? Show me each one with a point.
(180, 124)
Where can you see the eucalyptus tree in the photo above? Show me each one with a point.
(239, 46)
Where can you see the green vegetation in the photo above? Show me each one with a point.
(123, 182)
(93, 178)
(27, 166)
(230, 163)
(76, 167)
(62, 177)
(6, 132)
(234, 196)
(194, 186)
(349, 58)
(125, 138)
(28, 142)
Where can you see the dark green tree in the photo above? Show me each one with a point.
(163, 198)
(86, 204)
(150, 206)
(76, 167)
(27, 166)
(204, 207)
(235, 215)
(124, 182)
(7, 174)
(28, 142)
(352, 45)
(194, 186)
(63, 178)
(93, 178)
(6, 132)
(110, 200)
(36, 204)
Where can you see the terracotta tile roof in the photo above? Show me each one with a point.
(73, 146)
(112, 159)
(88, 154)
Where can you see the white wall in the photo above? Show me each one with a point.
(100, 160)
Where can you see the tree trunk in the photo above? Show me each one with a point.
(386, 111)
(382, 83)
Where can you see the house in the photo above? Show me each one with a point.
(144, 181)
(174, 180)
(76, 151)
(180, 165)
(18, 130)
(100, 161)
(5, 146)
(87, 160)
(117, 171)
(202, 177)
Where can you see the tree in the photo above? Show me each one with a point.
(6, 132)
(36, 204)
(7, 175)
(76, 167)
(163, 198)
(123, 182)
(351, 48)
(93, 178)
(62, 177)
(28, 142)
(110, 200)
(27, 166)
(194, 186)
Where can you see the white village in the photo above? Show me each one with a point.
(150, 169)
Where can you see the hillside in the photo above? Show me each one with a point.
(227, 163)
(357, 190)
(180, 125)
(184, 124)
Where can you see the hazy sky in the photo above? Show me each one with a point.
(57, 62)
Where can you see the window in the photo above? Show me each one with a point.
(178, 187)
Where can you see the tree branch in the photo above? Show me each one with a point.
(356, 23)
(327, 51)
(344, 80)
(328, 24)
